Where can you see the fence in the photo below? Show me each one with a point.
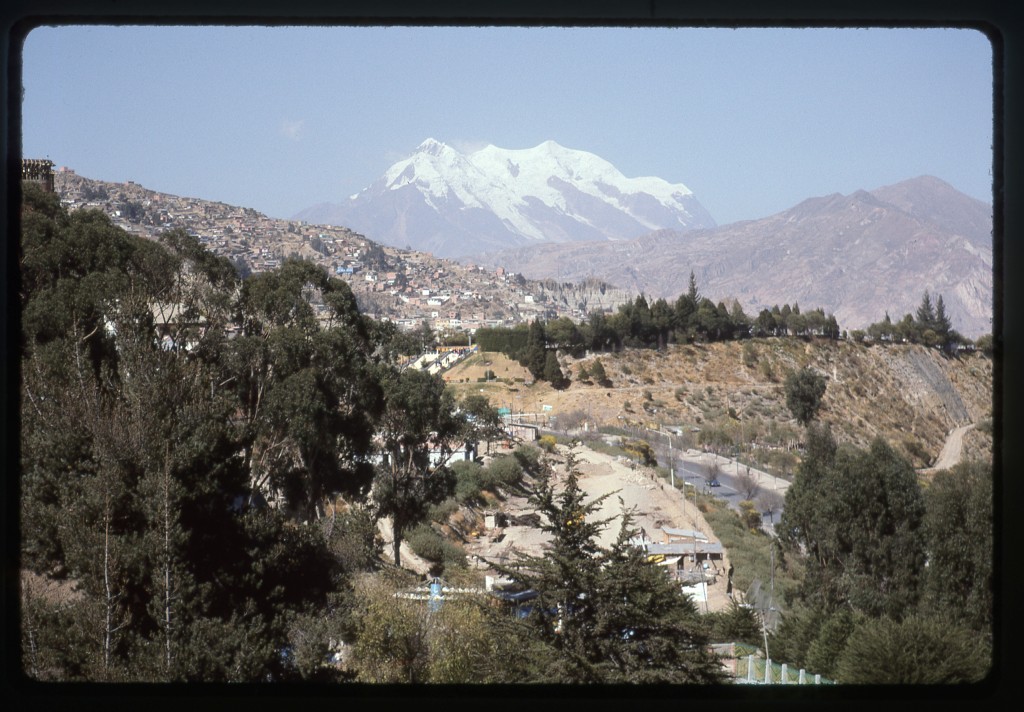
(747, 667)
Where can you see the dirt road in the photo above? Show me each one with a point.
(951, 450)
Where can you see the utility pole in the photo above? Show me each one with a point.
(671, 464)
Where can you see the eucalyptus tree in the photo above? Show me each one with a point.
(960, 530)
(308, 393)
(857, 516)
(418, 432)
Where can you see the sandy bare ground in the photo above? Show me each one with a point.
(654, 505)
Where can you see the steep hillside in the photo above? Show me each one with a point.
(733, 393)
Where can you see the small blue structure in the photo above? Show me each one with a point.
(435, 600)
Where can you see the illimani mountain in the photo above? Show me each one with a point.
(452, 204)
(857, 256)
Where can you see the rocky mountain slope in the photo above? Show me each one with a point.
(856, 256)
(449, 204)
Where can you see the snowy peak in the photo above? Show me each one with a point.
(431, 147)
(453, 204)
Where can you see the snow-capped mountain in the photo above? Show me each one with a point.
(452, 204)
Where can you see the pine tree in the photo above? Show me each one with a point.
(553, 371)
(925, 314)
(942, 322)
(535, 356)
(691, 293)
(602, 615)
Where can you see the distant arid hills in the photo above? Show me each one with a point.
(857, 256)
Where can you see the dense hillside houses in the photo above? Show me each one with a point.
(406, 287)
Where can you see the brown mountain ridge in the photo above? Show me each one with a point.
(857, 256)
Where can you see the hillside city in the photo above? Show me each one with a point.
(403, 286)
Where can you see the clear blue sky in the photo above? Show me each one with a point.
(752, 120)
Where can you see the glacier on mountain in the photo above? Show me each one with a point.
(453, 204)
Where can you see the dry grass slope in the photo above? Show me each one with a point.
(909, 395)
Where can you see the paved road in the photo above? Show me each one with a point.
(694, 467)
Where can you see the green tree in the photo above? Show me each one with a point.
(765, 324)
(598, 373)
(804, 392)
(824, 652)
(563, 334)
(741, 323)
(134, 489)
(662, 317)
(685, 311)
(925, 313)
(483, 420)
(986, 344)
(553, 371)
(307, 396)
(692, 294)
(959, 529)
(602, 615)
(418, 433)
(599, 333)
(534, 356)
(710, 323)
(737, 623)
(857, 516)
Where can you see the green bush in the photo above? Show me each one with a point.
(452, 554)
(443, 511)
(469, 480)
(426, 542)
(354, 540)
(749, 354)
(503, 471)
(641, 449)
(735, 624)
(529, 457)
(547, 443)
(916, 450)
(749, 514)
